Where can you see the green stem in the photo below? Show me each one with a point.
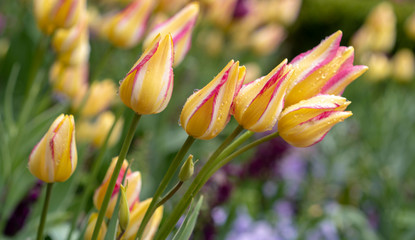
(174, 165)
(44, 211)
(205, 173)
(169, 194)
(123, 153)
(91, 177)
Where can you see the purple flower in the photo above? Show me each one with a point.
(20, 214)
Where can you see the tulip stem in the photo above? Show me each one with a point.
(44, 211)
(91, 182)
(205, 173)
(174, 165)
(123, 153)
(169, 194)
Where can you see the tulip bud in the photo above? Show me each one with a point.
(97, 131)
(132, 190)
(326, 69)
(307, 122)
(136, 216)
(53, 14)
(69, 81)
(410, 26)
(187, 169)
(90, 228)
(67, 39)
(259, 103)
(55, 157)
(380, 67)
(101, 95)
(77, 56)
(124, 212)
(126, 28)
(403, 65)
(266, 39)
(206, 112)
(180, 26)
(148, 86)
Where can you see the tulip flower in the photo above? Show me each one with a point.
(259, 103)
(97, 131)
(307, 122)
(53, 14)
(403, 65)
(136, 216)
(126, 28)
(180, 26)
(77, 56)
(206, 112)
(67, 39)
(148, 86)
(90, 228)
(55, 157)
(69, 81)
(326, 69)
(132, 189)
(101, 96)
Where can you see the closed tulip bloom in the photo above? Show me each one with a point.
(307, 122)
(69, 81)
(206, 112)
(136, 216)
(101, 95)
(126, 28)
(326, 69)
(259, 103)
(96, 132)
(77, 56)
(55, 157)
(90, 228)
(53, 14)
(67, 39)
(132, 189)
(148, 86)
(180, 26)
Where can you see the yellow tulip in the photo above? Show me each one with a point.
(403, 65)
(136, 216)
(77, 56)
(148, 86)
(307, 122)
(96, 132)
(206, 112)
(69, 81)
(259, 103)
(101, 96)
(326, 69)
(126, 28)
(132, 189)
(67, 39)
(55, 157)
(53, 14)
(180, 26)
(91, 225)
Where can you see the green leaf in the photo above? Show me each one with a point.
(188, 224)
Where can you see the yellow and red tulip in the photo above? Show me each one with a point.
(132, 189)
(54, 158)
(206, 112)
(180, 26)
(148, 86)
(53, 14)
(67, 39)
(77, 56)
(259, 103)
(126, 28)
(325, 69)
(307, 122)
(90, 228)
(136, 216)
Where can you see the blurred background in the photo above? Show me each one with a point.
(358, 183)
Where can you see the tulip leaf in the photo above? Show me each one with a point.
(188, 224)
